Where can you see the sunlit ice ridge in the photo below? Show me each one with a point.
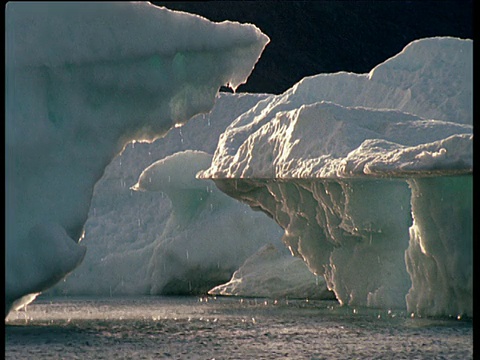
(370, 176)
(82, 80)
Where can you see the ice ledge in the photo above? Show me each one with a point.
(370, 176)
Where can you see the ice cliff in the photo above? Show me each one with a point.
(82, 80)
(370, 176)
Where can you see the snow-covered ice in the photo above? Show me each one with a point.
(82, 80)
(370, 176)
(381, 122)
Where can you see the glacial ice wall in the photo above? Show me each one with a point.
(370, 176)
(82, 80)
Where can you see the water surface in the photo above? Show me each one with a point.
(226, 328)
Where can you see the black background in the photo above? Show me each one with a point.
(312, 37)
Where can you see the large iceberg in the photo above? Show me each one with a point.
(370, 176)
(83, 80)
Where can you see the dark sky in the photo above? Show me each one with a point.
(311, 37)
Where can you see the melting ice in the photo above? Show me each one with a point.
(370, 176)
(118, 72)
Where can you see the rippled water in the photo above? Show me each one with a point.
(226, 328)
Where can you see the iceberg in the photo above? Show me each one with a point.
(207, 235)
(82, 81)
(370, 176)
(138, 241)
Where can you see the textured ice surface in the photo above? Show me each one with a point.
(83, 79)
(338, 149)
(439, 258)
(345, 124)
(270, 273)
(137, 245)
(207, 235)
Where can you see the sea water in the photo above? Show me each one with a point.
(155, 327)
